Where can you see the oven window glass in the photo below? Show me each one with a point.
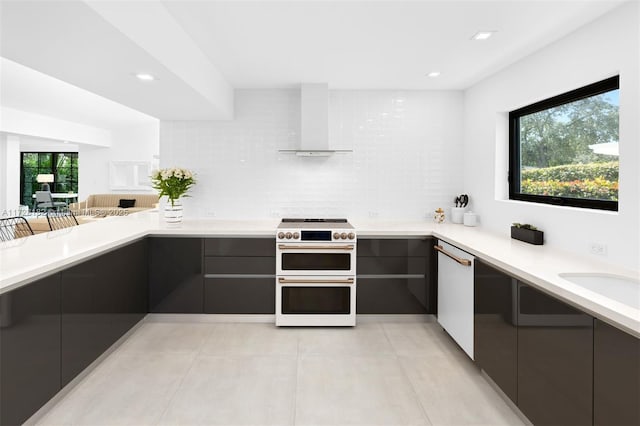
(316, 300)
(316, 261)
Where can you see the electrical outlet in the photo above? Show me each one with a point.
(598, 248)
(373, 215)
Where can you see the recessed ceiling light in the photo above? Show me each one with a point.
(433, 74)
(482, 35)
(145, 77)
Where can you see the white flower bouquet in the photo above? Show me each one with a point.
(173, 182)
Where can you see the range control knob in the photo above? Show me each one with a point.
(296, 235)
(343, 235)
(336, 236)
(280, 235)
(289, 235)
(351, 235)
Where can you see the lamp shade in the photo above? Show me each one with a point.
(44, 178)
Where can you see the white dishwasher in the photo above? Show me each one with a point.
(455, 294)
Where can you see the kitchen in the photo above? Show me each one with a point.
(410, 155)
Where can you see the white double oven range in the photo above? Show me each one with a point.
(315, 273)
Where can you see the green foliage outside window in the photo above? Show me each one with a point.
(63, 165)
(567, 148)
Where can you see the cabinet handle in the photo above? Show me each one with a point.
(289, 247)
(465, 262)
(310, 281)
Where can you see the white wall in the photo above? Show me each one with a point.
(30, 124)
(406, 160)
(9, 174)
(606, 47)
(132, 143)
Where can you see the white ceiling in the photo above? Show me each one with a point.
(374, 44)
(25, 89)
(267, 44)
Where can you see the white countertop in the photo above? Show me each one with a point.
(26, 259)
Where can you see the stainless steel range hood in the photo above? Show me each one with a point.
(314, 122)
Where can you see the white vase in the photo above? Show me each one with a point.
(173, 213)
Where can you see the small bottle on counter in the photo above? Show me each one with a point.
(438, 216)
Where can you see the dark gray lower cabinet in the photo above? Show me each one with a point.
(239, 276)
(102, 299)
(29, 348)
(175, 275)
(129, 283)
(616, 377)
(495, 326)
(247, 295)
(396, 276)
(555, 360)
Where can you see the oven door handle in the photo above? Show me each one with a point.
(312, 281)
(298, 247)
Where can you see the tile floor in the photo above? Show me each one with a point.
(379, 373)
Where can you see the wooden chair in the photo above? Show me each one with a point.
(14, 227)
(44, 200)
(61, 220)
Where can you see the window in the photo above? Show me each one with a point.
(63, 165)
(564, 150)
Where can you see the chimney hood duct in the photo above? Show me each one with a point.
(314, 122)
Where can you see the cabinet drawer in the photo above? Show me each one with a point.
(393, 296)
(391, 265)
(239, 295)
(240, 247)
(400, 247)
(239, 265)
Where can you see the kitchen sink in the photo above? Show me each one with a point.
(622, 289)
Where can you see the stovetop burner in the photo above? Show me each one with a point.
(313, 220)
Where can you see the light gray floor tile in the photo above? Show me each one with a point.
(236, 390)
(414, 338)
(365, 339)
(453, 392)
(239, 374)
(167, 337)
(355, 390)
(130, 389)
(251, 339)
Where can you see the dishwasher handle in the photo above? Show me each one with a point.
(464, 262)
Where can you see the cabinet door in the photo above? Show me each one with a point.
(175, 275)
(242, 295)
(387, 295)
(88, 312)
(396, 276)
(555, 360)
(616, 380)
(29, 348)
(495, 326)
(128, 280)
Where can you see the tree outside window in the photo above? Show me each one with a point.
(564, 150)
(63, 165)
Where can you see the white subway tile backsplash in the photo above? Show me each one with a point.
(406, 158)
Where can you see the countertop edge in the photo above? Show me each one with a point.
(607, 310)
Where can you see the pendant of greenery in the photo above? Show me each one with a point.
(173, 182)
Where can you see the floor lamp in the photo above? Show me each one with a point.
(45, 180)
